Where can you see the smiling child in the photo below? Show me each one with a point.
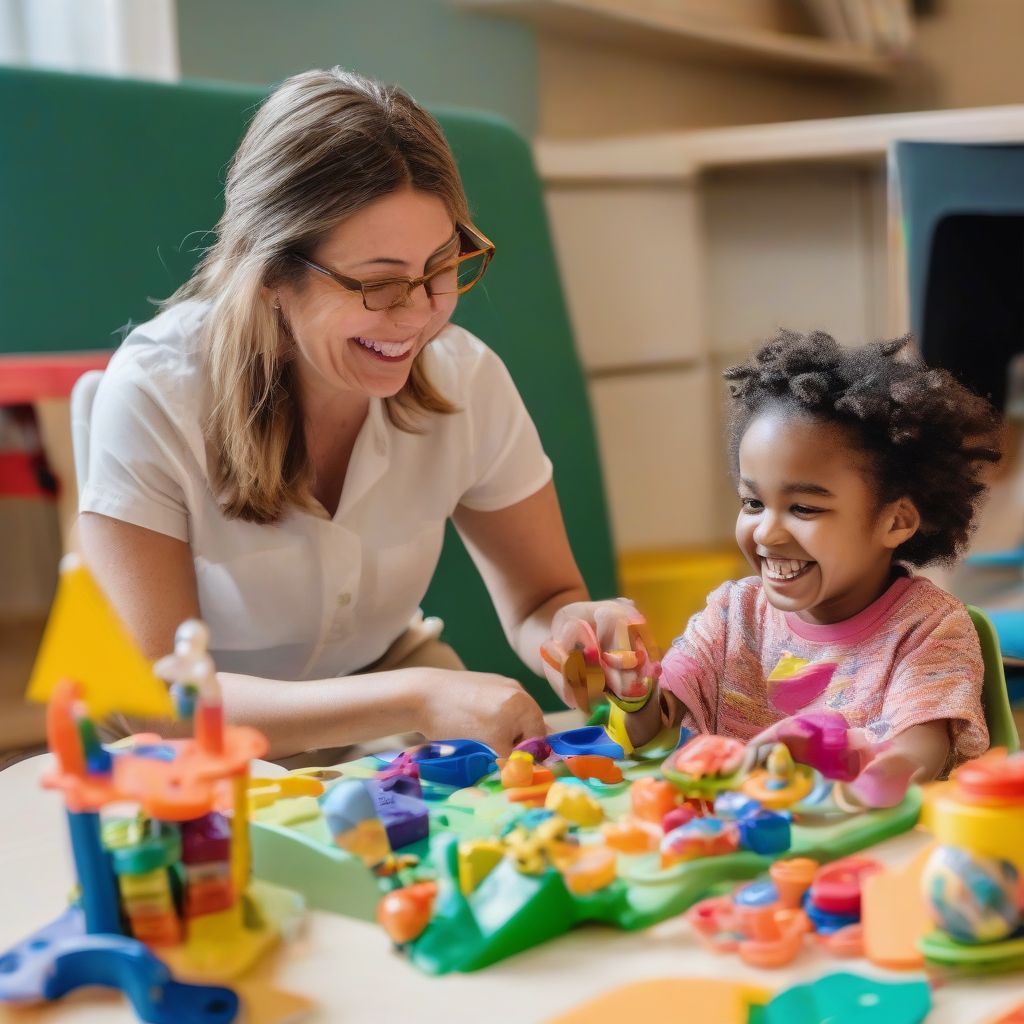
(852, 465)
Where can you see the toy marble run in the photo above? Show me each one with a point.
(159, 829)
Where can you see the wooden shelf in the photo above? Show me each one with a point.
(681, 35)
(679, 156)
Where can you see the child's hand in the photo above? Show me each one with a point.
(884, 782)
(820, 739)
(599, 645)
(479, 706)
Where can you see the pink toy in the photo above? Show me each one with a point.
(823, 740)
(763, 936)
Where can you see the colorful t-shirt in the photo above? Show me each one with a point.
(911, 657)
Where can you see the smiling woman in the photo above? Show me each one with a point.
(280, 448)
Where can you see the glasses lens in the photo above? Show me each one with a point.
(471, 270)
(458, 277)
(384, 295)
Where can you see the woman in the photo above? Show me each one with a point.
(279, 449)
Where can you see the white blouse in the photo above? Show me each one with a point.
(311, 596)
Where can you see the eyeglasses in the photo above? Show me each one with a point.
(454, 277)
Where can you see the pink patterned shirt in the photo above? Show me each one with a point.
(911, 657)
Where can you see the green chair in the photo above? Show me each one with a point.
(1002, 729)
(108, 188)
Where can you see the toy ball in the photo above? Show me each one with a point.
(972, 898)
(405, 913)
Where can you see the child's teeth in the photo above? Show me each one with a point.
(785, 568)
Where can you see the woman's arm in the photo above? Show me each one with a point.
(150, 580)
(523, 555)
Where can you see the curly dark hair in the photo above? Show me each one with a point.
(926, 436)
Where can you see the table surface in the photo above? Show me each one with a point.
(349, 968)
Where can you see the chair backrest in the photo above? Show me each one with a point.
(962, 209)
(1002, 729)
(83, 394)
(108, 190)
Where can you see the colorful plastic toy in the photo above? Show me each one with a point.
(705, 766)
(765, 921)
(972, 882)
(167, 884)
(511, 873)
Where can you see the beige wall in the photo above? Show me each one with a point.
(968, 55)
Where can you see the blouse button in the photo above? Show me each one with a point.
(344, 600)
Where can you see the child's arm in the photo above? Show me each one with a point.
(919, 754)
(925, 745)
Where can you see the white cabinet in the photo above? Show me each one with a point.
(680, 250)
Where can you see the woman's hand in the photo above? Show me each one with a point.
(476, 705)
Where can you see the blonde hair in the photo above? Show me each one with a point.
(324, 145)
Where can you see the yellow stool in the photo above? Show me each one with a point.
(670, 584)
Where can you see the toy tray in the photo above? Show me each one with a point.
(509, 911)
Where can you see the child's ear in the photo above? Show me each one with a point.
(901, 521)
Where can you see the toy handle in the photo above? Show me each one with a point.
(126, 964)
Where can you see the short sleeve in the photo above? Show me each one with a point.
(508, 461)
(693, 665)
(135, 460)
(940, 678)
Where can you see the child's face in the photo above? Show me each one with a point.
(809, 521)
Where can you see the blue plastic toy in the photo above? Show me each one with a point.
(61, 957)
(458, 763)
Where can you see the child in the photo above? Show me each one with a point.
(851, 465)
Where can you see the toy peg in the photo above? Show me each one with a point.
(194, 687)
(62, 735)
(792, 879)
(517, 770)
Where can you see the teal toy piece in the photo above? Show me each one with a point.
(62, 957)
(850, 999)
(160, 849)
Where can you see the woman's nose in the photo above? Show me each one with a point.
(416, 310)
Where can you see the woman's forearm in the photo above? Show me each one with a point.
(311, 714)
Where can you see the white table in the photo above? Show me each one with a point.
(350, 969)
